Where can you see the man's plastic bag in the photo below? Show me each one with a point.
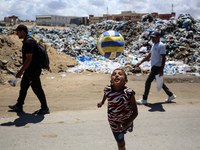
(159, 82)
(13, 82)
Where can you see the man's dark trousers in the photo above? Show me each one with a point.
(33, 80)
(154, 71)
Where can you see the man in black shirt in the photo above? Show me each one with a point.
(30, 71)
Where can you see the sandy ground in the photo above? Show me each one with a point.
(72, 91)
(75, 121)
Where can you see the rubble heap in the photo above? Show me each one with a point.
(181, 36)
(11, 58)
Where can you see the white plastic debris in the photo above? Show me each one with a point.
(159, 82)
(13, 82)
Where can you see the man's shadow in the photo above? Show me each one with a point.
(157, 106)
(24, 119)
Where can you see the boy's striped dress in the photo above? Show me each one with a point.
(119, 108)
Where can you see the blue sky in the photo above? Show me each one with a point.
(28, 9)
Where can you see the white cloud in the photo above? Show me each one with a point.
(28, 9)
(57, 5)
(97, 2)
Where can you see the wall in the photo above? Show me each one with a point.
(54, 20)
(128, 15)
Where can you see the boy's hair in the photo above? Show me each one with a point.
(122, 71)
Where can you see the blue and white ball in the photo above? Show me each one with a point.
(110, 44)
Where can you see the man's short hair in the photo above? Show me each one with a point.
(22, 28)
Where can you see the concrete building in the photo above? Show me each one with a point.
(55, 20)
(128, 15)
(124, 16)
(163, 16)
(11, 19)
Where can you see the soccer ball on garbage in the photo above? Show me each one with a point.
(110, 44)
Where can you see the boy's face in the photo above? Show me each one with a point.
(118, 78)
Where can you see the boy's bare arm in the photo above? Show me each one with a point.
(134, 114)
(102, 102)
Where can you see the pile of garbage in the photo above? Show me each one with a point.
(181, 36)
(11, 58)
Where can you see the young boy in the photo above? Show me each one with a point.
(122, 108)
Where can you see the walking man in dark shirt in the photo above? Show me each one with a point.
(30, 71)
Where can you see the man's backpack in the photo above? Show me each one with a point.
(43, 57)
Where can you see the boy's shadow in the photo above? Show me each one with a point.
(24, 118)
(157, 106)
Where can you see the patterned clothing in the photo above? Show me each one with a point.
(119, 108)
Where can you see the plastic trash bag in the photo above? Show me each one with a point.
(13, 82)
(159, 82)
